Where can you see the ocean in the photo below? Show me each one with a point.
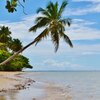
(82, 85)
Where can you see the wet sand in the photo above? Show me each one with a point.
(57, 92)
(12, 81)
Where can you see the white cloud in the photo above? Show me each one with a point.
(93, 1)
(90, 53)
(82, 30)
(55, 63)
(43, 57)
(58, 65)
(79, 30)
(20, 29)
(93, 7)
(46, 50)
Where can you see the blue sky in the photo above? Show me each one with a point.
(84, 33)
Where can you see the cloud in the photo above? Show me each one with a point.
(51, 64)
(43, 57)
(55, 63)
(91, 53)
(82, 30)
(20, 29)
(93, 1)
(93, 7)
(79, 30)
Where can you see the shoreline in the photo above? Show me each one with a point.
(50, 86)
(57, 92)
(13, 81)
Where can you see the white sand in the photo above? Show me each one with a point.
(9, 80)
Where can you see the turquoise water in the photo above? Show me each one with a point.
(81, 85)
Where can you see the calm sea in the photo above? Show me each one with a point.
(82, 85)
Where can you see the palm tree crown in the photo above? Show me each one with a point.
(4, 34)
(15, 45)
(54, 24)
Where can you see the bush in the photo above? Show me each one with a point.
(16, 64)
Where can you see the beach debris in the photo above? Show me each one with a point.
(3, 90)
(19, 86)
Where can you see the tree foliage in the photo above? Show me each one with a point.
(15, 45)
(53, 23)
(8, 46)
(11, 5)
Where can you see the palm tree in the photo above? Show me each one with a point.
(15, 45)
(54, 26)
(4, 34)
(4, 37)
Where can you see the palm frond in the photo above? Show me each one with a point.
(50, 6)
(54, 23)
(39, 19)
(33, 28)
(41, 22)
(62, 8)
(65, 21)
(55, 40)
(67, 40)
(52, 9)
(43, 11)
(43, 35)
(56, 7)
(56, 10)
(40, 10)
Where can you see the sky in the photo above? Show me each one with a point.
(84, 33)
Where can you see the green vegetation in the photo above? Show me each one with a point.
(54, 25)
(11, 5)
(8, 46)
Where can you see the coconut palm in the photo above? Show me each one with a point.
(15, 45)
(4, 34)
(53, 23)
(4, 37)
(6, 40)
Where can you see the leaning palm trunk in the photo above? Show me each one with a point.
(54, 26)
(15, 54)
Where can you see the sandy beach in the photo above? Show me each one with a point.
(49, 85)
(13, 81)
